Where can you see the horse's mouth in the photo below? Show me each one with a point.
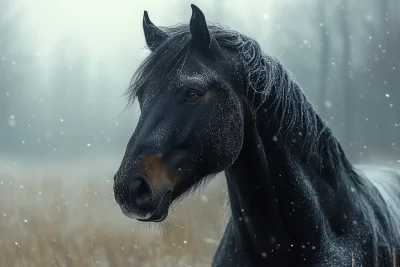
(161, 212)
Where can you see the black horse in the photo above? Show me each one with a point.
(212, 101)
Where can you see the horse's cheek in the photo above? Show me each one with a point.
(231, 131)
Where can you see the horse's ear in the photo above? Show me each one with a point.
(154, 36)
(201, 38)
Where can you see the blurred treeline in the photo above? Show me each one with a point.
(345, 54)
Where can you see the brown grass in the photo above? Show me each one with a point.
(64, 215)
(68, 217)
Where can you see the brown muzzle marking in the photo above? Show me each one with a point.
(157, 174)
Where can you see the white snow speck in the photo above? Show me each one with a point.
(328, 104)
(387, 95)
(11, 121)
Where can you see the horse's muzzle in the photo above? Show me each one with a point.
(138, 200)
(161, 213)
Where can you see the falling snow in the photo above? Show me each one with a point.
(55, 130)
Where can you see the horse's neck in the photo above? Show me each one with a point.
(282, 187)
(255, 215)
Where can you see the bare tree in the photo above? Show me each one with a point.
(6, 32)
(383, 64)
(9, 71)
(348, 89)
(324, 57)
(69, 89)
(389, 33)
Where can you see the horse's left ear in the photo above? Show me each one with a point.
(201, 38)
(154, 36)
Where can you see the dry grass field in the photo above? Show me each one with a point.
(65, 215)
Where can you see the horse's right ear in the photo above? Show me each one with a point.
(201, 38)
(154, 36)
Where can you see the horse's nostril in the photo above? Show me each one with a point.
(136, 184)
(132, 192)
(140, 190)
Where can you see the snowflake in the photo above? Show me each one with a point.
(328, 104)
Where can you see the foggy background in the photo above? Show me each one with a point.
(65, 65)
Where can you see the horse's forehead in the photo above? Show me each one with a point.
(196, 79)
(197, 73)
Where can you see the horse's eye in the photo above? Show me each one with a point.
(193, 96)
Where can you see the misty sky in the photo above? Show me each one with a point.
(69, 63)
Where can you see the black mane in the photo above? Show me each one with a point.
(271, 90)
